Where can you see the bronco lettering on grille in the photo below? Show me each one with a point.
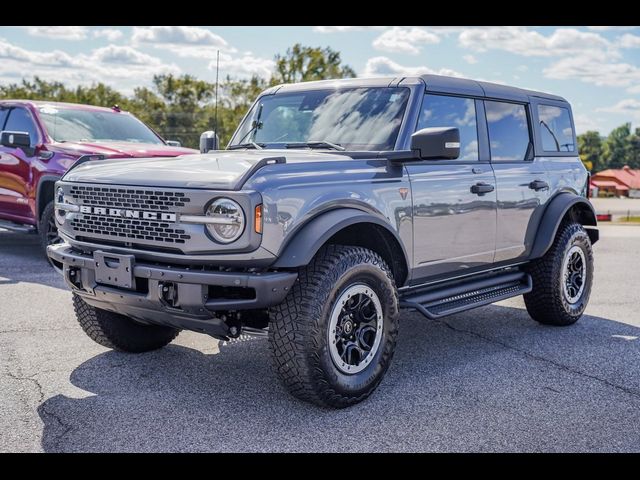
(124, 213)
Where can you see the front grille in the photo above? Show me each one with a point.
(127, 198)
(129, 228)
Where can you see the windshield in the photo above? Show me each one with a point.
(355, 118)
(76, 125)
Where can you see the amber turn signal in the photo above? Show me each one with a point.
(257, 219)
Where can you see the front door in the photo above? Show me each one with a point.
(454, 201)
(15, 168)
(521, 179)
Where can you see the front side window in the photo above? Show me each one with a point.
(444, 111)
(77, 125)
(20, 121)
(508, 130)
(354, 118)
(556, 130)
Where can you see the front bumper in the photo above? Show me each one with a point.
(193, 306)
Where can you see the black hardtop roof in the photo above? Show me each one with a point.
(434, 83)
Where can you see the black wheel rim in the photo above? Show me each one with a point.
(574, 274)
(51, 235)
(355, 329)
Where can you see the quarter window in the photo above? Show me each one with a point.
(20, 121)
(555, 129)
(445, 111)
(508, 130)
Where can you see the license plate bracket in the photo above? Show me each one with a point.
(115, 270)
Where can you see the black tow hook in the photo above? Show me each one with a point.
(168, 292)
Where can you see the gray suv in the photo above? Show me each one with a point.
(335, 205)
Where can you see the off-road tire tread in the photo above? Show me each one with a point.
(544, 302)
(118, 332)
(295, 325)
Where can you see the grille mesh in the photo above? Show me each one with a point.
(128, 228)
(128, 198)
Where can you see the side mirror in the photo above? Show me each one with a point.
(173, 143)
(209, 141)
(15, 140)
(436, 143)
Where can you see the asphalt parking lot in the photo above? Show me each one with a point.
(485, 380)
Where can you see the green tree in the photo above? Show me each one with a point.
(590, 148)
(616, 146)
(634, 149)
(303, 64)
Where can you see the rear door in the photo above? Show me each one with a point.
(454, 228)
(15, 168)
(521, 179)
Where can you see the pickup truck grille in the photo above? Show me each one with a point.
(152, 200)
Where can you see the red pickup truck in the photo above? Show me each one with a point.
(40, 141)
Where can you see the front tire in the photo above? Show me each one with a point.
(332, 339)
(562, 278)
(48, 231)
(119, 332)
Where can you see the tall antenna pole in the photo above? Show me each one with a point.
(216, 108)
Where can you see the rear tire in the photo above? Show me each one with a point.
(119, 332)
(562, 278)
(332, 339)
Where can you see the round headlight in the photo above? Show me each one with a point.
(60, 214)
(227, 220)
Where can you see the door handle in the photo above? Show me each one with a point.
(539, 185)
(482, 188)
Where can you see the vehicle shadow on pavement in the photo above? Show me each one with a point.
(490, 379)
(24, 260)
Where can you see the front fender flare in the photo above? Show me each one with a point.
(301, 249)
(553, 215)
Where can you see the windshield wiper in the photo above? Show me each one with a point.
(238, 146)
(316, 144)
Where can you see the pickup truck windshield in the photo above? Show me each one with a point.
(355, 119)
(76, 125)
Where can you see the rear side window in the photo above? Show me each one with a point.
(556, 130)
(3, 117)
(444, 111)
(20, 121)
(508, 130)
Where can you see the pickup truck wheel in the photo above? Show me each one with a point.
(119, 332)
(562, 278)
(48, 230)
(333, 337)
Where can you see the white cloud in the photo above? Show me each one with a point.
(245, 65)
(383, 66)
(333, 29)
(604, 28)
(404, 40)
(629, 107)
(629, 40)
(110, 34)
(58, 32)
(522, 68)
(521, 41)
(182, 40)
(118, 66)
(470, 59)
(124, 55)
(593, 70)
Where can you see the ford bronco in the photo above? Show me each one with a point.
(335, 205)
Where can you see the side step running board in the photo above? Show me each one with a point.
(440, 302)
(16, 227)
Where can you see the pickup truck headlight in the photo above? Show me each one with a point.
(229, 220)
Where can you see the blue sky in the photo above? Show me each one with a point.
(596, 68)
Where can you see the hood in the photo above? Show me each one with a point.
(221, 170)
(121, 149)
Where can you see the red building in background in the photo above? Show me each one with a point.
(623, 182)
